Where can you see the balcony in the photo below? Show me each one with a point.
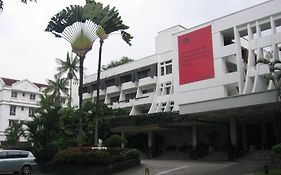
(87, 96)
(128, 85)
(102, 92)
(125, 104)
(112, 89)
(143, 100)
(147, 81)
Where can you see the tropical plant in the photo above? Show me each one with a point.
(23, 1)
(69, 67)
(56, 87)
(14, 132)
(110, 21)
(44, 129)
(116, 63)
(80, 33)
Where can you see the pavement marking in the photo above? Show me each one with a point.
(174, 169)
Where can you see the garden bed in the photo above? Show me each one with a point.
(85, 160)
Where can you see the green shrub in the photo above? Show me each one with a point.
(86, 155)
(277, 148)
(114, 141)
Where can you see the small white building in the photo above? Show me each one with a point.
(18, 98)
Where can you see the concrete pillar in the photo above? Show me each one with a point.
(194, 137)
(264, 136)
(123, 136)
(244, 137)
(233, 131)
(150, 143)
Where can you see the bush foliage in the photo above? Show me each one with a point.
(114, 141)
(277, 148)
(86, 155)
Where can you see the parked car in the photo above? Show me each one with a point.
(16, 161)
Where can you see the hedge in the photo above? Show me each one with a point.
(86, 155)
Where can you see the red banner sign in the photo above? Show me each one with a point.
(196, 60)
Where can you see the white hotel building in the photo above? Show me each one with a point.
(208, 72)
(18, 98)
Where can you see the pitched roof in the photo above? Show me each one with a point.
(10, 82)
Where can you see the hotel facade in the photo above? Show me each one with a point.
(210, 72)
(18, 99)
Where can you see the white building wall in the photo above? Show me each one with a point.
(235, 70)
(248, 78)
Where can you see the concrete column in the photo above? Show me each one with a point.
(233, 131)
(150, 143)
(264, 136)
(194, 137)
(244, 137)
(123, 136)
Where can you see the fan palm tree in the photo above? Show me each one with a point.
(56, 86)
(109, 21)
(69, 67)
(80, 33)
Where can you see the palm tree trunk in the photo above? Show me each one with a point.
(98, 96)
(80, 137)
(70, 93)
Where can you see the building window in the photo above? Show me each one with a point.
(114, 99)
(143, 74)
(63, 100)
(145, 91)
(130, 96)
(126, 78)
(23, 94)
(22, 108)
(11, 122)
(30, 111)
(163, 106)
(168, 88)
(110, 82)
(166, 67)
(14, 94)
(32, 96)
(171, 106)
(12, 110)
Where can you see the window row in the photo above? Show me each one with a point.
(13, 110)
(14, 94)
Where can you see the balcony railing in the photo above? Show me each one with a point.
(147, 81)
(143, 100)
(112, 89)
(128, 85)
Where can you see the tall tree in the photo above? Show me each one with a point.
(80, 33)
(110, 21)
(56, 87)
(69, 67)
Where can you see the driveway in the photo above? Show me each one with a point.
(187, 167)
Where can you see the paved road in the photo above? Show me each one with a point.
(189, 167)
(181, 167)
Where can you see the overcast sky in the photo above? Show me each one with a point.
(27, 52)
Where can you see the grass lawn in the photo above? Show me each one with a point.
(276, 171)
